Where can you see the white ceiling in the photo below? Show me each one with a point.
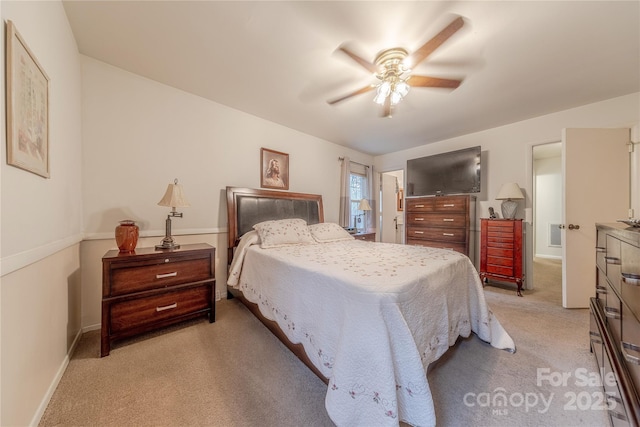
(278, 60)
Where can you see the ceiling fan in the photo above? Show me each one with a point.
(392, 68)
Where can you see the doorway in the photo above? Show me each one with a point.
(547, 218)
(392, 206)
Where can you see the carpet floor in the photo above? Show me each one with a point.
(235, 373)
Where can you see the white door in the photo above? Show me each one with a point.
(388, 222)
(595, 165)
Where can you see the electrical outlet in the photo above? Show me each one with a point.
(217, 295)
(630, 213)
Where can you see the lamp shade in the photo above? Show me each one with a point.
(174, 197)
(364, 205)
(508, 191)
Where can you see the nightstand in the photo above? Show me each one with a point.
(150, 289)
(369, 237)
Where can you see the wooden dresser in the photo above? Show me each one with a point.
(501, 250)
(615, 321)
(441, 222)
(149, 289)
(369, 237)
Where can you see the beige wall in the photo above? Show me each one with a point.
(41, 226)
(138, 135)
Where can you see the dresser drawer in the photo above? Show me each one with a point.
(437, 219)
(420, 205)
(613, 314)
(502, 270)
(458, 247)
(451, 204)
(161, 274)
(630, 277)
(601, 249)
(613, 261)
(630, 343)
(134, 313)
(442, 234)
(615, 403)
(501, 252)
(500, 238)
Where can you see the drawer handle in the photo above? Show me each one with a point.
(612, 313)
(601, 290)
(595, 334)
(448, 205)
(447, 219)
(420, 219)
(612, 260)
(167, 307)
(629, 358)
(600, 249)
(419, 206)
(418, 232)
(162, 276)
(448, 234)
(633, 281)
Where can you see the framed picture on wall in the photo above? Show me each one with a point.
(27, 107)
(274, 170)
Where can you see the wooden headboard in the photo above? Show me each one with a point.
(249, 206)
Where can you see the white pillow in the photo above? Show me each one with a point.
(283, 232)
(329, 232)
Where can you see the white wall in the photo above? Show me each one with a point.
(507, 150)
(548, 204)
(138, 135)
(41, 222)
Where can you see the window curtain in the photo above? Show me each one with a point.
(345, 193)
(371, 217)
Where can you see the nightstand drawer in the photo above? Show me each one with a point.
(134, 313)
(134, 279)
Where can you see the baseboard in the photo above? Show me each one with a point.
(54, 383)
(548, 256)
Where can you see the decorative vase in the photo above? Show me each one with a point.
(127, 236)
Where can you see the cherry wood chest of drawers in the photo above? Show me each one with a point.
(501, 244)
(615, 321)
(441, 222)
(149, 289)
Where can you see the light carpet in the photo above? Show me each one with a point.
(235, 373)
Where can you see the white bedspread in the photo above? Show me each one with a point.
(371, 317)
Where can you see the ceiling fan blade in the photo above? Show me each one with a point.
(426, 49)
(363, 62)
(354, 93)
(426, 81)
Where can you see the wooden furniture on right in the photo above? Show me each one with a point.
(501, 244)
(615, 321)
(442, 222)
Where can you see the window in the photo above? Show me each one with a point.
(358, 191)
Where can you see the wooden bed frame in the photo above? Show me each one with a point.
(248, 206)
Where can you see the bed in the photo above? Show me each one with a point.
(368, 318)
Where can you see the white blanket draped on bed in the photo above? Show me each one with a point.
(371, 317)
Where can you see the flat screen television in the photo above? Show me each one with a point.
(455, 172)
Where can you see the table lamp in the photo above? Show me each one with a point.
(508, 193)
(364, 206)
(173, 198)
